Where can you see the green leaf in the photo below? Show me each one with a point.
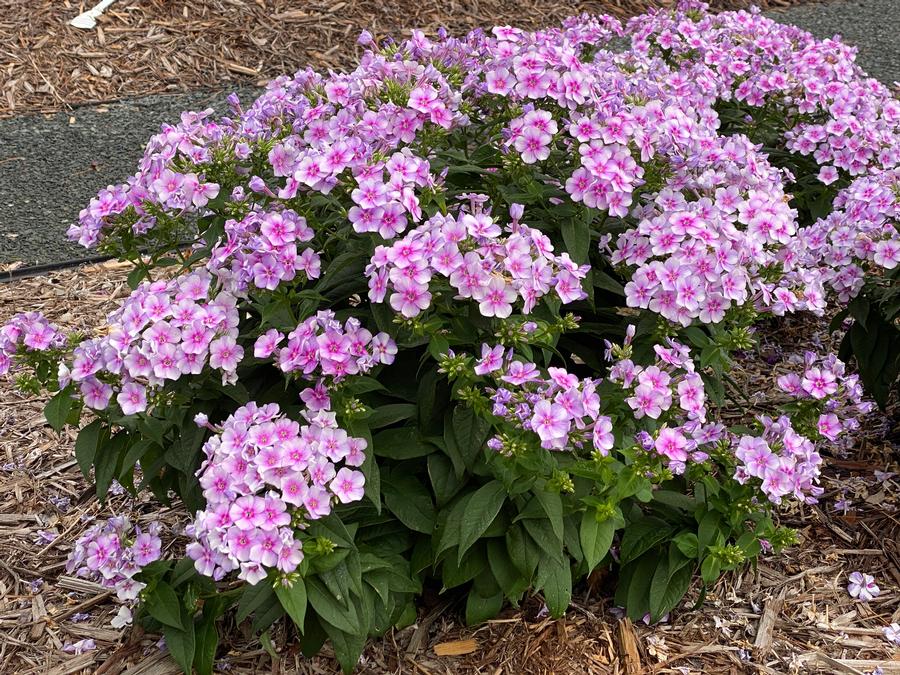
(164, 606)
(389, 414)
(438, 346)
(89, 439)
(134, 454)
(542, 533)
(254, 597)
(523, 550)
(554, 579)
(330, 609)
(642, 535)
(206, 639)
(362, 384)
(638, 590)
(409, 500)
(677, 500)
(596, 537)
(688, 544)
(504, 570)
(606, 282)
(184, 452)
(469, 433)
(710, 569)
(709, 528)
(480, 608)
(480, 512)
(401, 443)
(457, 572)
(181, 645)
(348, 646)
(576, 235)
(551, 503)
(58, 408)
(268, 614)
(444, 481)
(135, 276)
(278, 314)
(859, 310)
(293, 599)
(668, 588)
(106, 462)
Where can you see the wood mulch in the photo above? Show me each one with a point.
(142, 47)
(790, 614)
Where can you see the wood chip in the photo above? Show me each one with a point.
(193, 43)
(628, 647)
(771, 610)
(456, 647)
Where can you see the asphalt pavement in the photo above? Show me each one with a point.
(51, 166)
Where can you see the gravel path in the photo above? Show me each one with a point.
(51, 166)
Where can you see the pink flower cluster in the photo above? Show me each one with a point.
(490, 265)
(265, 475)
(710, 230)
(112, 553)
(671, 393)
(694, 258)
(163, 331)
(561, 409)
(158, 184)
(261, 249)
(783, 460)
(320, 347)
(786, 461)
(824, 106)
(564, 411)
(863, 230)
(30, 331)
(839, 394)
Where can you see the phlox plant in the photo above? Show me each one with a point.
(464, 318)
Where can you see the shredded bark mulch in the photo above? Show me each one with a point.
(142, 47)
(790, 614)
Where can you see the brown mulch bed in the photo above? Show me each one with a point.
(163, 46)
(790, 614)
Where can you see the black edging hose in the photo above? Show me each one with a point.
(37, 270)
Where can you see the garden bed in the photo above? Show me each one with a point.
(791, 614)
(155, 46)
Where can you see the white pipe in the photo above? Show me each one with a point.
(89, 18)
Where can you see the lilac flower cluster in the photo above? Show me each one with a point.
(30, 331)
(163, 331)
(670, 392)
(265, 475)
(112, 553)
(695, 258)
(480, 262)
(825, 107)
(710, 230)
